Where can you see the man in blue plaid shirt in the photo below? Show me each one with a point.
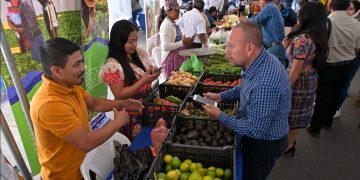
(264, 97)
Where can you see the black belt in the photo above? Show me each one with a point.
(342, 63)
(273, 44)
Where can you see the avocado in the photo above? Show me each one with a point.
(230, 140)
(193, 134)
(215, 144)
(184, 138)
(226, 134)
(177, 142)
(202, 144)
(221, 129)
(204, 133)
(187, 143)
(208, 139)
(178, 138)
(183, 130)
(194, 142)
(199, 127)
(222, 142)
(217, 135)
(211, 130)
(200, 139)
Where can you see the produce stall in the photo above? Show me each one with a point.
(197, 146)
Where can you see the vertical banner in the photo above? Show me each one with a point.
(152, 12)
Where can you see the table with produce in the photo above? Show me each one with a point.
(195, 146)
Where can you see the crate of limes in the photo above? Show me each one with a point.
(191, 163)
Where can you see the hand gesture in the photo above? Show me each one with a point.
(121, 117)
(286, 43)
(213, 96)
(148, 77)
(187, 40)
(132, 104)
(212, 110)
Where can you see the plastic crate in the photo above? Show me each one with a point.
(152, 112)
(203, 88)
(224, 158)
(191, 123)
(180, 91)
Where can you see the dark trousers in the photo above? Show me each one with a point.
(330, 82)
(259, 156)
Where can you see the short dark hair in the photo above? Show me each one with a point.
(356, 5)
(55, 52)
(199, 5)
(212, 9)
(252, 32)
(338, 5)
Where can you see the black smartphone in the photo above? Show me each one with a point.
(158, 70)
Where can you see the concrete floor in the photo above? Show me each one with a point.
(335, 154)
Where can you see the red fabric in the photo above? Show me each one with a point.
(112, 77)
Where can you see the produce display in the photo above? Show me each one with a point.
(204, 136)
(209, 81)
(166, 105)
(197, 112)
(176, 169)
(219, 38)
(182, 78)
(218, 64)
(230, 21)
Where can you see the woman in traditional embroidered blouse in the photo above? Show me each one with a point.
(128, 71)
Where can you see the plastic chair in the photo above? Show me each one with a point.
(156, 53)
(100, 159)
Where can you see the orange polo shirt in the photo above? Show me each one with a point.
(56, 112)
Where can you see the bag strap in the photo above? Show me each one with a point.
(329, 26)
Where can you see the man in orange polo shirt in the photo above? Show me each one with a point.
(59, 112)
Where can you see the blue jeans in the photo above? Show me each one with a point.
(137, 16)
(36, 42)
(344, 89)
(279, 52)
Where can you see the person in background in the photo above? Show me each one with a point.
(211, 14)
(88, 13)
(289, 15)
(31, 28)
(264, 97)
(136, 10)
(171, 39)
(193, 24)
(288, 3)
(128, 71)
(50, 17)
(272, 23)
(59, 112)
(307, 50)
(344, 42)
(218, 4)
(14, 21)
(352, 11)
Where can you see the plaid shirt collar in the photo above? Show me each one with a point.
(247, 73)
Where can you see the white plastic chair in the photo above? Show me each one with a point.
(156, 53)
(100, 159)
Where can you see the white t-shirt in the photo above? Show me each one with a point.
(192, 23)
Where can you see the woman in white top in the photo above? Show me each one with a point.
(171, 38)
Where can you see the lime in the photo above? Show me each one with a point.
(175, 163)
(227, 174)
(188, 161)
(195, 176)
(208, 178)
(199, 165)
(168, 168)
(161, 176)
(184, 176)
(219, 172)
(184, 167)
(172, 175)
(211, 173)
(193, 167)
(168, 158)
(212, 168)
(203, 171)
(217, 179)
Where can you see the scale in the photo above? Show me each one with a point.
(202, 53)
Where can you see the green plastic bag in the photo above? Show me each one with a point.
(193, 64)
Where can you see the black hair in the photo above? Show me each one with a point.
(356, 5)
(338, 5)
(199, 5)
(312, 17)
(162, 16)
(212, 9)
(189, 6)
(55, 52)
(119, 35)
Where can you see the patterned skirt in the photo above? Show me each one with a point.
(172, 62)
(302, 100)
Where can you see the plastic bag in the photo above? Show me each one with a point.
(158, 135)
(193, 64)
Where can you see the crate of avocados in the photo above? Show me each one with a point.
(181, 83)
(190, 162)
(160, 103)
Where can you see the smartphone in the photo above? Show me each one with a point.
(204, 100)
(158, 70)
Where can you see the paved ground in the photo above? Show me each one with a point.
(335, 154)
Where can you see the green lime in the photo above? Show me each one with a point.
(168, 158)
